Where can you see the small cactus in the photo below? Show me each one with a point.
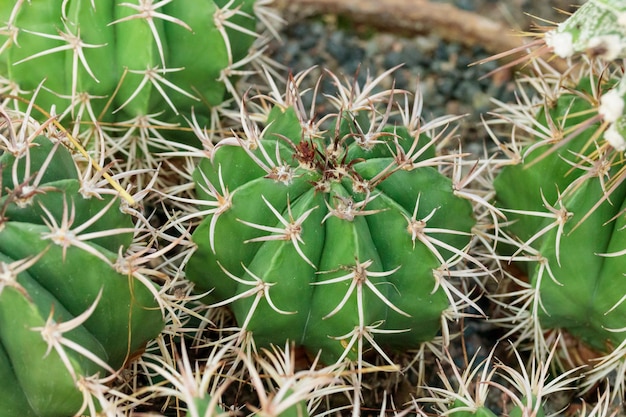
(269, 382)
(564, 194)
(72, 309)
(339, 234)
(525, 387)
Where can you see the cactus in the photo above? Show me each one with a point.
(340, 239)
(597, 28)
(564, 194)
(129, 79)
(270, 382)
(526, 389)
(72, 309)
(144, 57)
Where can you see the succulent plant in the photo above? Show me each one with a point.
(131, 79)
(203, 379)
(526, 390)
(340, 234)
(598, 27)
(132, 58)
(564, 194)
(74, 307)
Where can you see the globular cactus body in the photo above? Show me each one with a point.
(67, 309)
(577, 278)
(565, 195)
(333, 240)
(133, 59)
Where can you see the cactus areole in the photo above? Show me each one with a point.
(337, 240)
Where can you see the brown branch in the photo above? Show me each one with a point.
(416, 17)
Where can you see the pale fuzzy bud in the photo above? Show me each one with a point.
(615, 139)
(611, 106)
(562, 43)
(621, 19)
(607, 47)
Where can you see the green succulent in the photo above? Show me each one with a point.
(564, 196)
(339, 234)
(71, 307)
(111, 60)
(527, 387)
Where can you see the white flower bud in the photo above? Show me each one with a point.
(611, 106)
(615, 139)
(562, 43)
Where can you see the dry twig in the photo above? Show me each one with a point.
(415, 17)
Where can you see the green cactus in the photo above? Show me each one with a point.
(131, 80)
(527, 387)
(71, 308)
(205, 407)
(565, 198)
(270, 383)
(334, 239)
(125, 60)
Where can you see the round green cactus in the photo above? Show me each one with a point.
(122, 76)
(131, 80)
(71, 307)
(527, 387)
(565, 198)
(334, 239)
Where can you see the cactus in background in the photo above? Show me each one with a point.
(526, 389)
(270, 383)
(598, 28)
(145, 57)
(127, 78)
(74, 305)
(564, 194)
(339, 234)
